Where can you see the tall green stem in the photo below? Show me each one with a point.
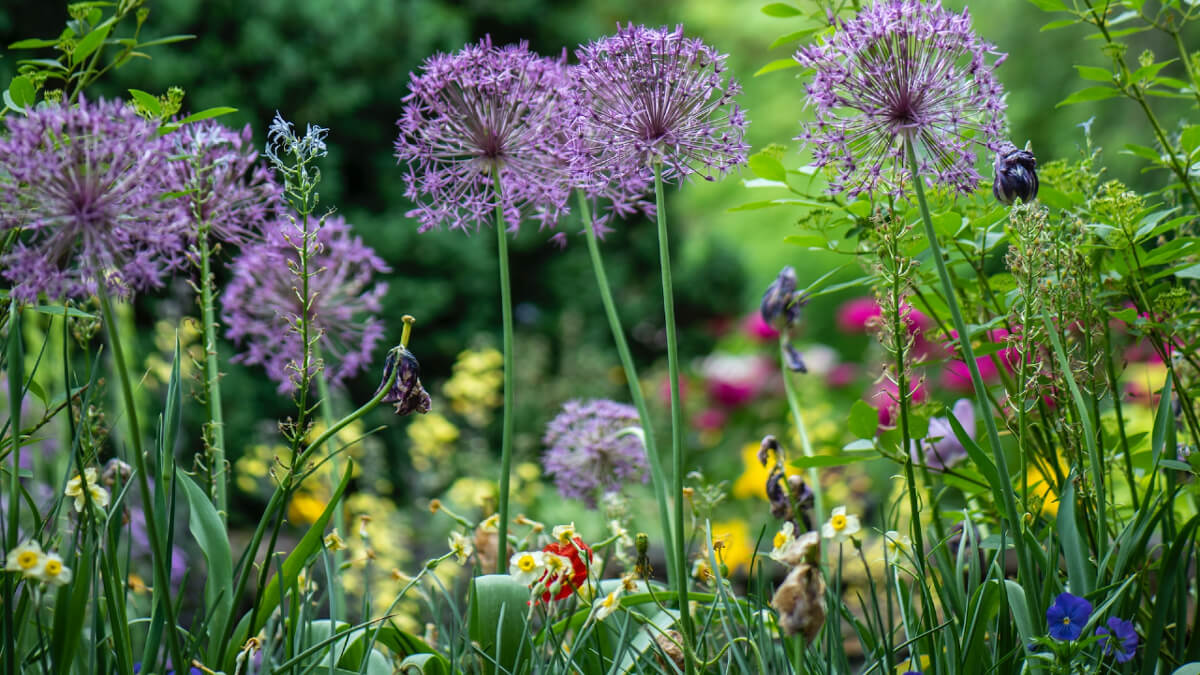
(968, 355)
(506, 428)
(162, 573)
(664, 253)
(657, 476)
(212, 383)
(337, 596)
(793, 399)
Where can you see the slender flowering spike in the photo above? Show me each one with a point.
(593, 448)
(1067, 616)
(261, 305)
(1122, 632)
(84, 185)
(902, 71)
(1016, 175)
(650, 95)
(228, 189)
(484, 127)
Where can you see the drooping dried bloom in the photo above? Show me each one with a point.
(261, 305)
(594, 447)
(800, 601)
(83, 184)
(1015, 174)
(406, 392)
(902, 71)
(228, 189)
(482, 127)
(650, 94)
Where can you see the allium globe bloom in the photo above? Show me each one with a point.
(647, 95)
(592, 449)
(84, 185)
(231, 192)
(1122, 633)
(574, 551)
(1067, 616)
(260, 304)
(484, 127)
(902, 71)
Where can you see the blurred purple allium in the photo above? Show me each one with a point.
(261, 304)
(941, 449)
(650, 94)
(230, 191)
(592, 449)
(482, 127)
(84, 185)
(902, 70)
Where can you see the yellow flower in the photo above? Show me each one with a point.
(564, 533)
(897, 544)
(753, 481)
(461, 547)
(491, 523)
(305, 508)
(334, 542)
(474, 389)
(702, 570)
(26, 558)
(75, 488)
(609, 604)
(54, 572)
(732, 543)
(840, 526)
(1041, 488)
(782, 541)
(432, 437)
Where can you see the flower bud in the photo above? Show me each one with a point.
(1016, 175)
(780, 296)
(406, 393)
(793, 359)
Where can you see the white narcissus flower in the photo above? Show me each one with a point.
(840, 526)
(527, 567)
(54, 572)
(609, 604)
(27, 558)
(564, 533)
(782, 541)
(898, 545)
(98, 494)
(461, 547)
(334, 542)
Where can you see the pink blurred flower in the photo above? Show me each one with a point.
(841, 375)
(884, 395)
(759, 330)
(854, 316)
(735, 379)
(710, 419)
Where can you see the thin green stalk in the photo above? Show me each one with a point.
(162, 572)
(337, 596)
(15, 359)
(968, 355)
(664, 253)
(657, 476)
(506, 428)
(212, 383)
(793, 399)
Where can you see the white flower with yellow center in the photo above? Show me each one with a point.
(840, 526)
(461, 547)
(54, 572)
(527, 567)
(75, 488)
(702, 570)
(782, 541)
(334, 542)
(564, 533)
(609, 604)
(898, 545)
(491, 523)
(27, 558)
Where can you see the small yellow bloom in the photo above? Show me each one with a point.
(305, 508)
(527, 566)
(782, 541)
(898, 545)
(334, 542)
(840, 526)
(737, 546)
(491, 523)
(609, 604)
(75, 488)
(27, 558)
(702, 570)
(461, 547)
(54, 571)
(564, 533)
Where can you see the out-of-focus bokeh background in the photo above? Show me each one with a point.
(344, 64)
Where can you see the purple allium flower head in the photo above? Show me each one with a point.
(261, 304)
(229, 190)
(1067, 616)
(1122, 632)
(902, 71)
(648, 95)
(84, 185)
(941, 449)
(587, 451)
(482, 127)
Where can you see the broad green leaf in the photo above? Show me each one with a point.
(823, 461)
(1055, 25)
(21, 92)
(1079, 571)
(781, 10)
(793, 37)
(1190, 272)
(1050, 5)
(1095, 74)
(205, 525)
(1089, 94)
(778, 64)
(148, 101)
(1144, 152)
(766, 166)
(1189, 138)
(33, 43)
(497, 612)
(1188, 669)
(807, 240)
(1020, 611)
(425, 664)
(864, 420)
(170, 39)
(91, 42)
(207, 114)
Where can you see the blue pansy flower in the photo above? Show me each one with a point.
(1067, 616)
(1125, 637)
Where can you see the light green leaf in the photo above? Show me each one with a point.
(1089, 94)
(33, 43)
(21, 92)
(778, 64)
(864, 420)
(148, 101)
(205, 525)
(207, 114)
(823, 461)
(1095, 74)
(1050, 5)
(91, 42)
(766, 166)
(497, 622)
(781, 10)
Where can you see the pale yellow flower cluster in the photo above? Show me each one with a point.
(474, 390)
(87, 486)
(32, 563)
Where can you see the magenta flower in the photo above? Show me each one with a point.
(230, 191)
(592, 449)
(650, 94)
(902, 71)
(261, 304)
(84, 184)
(857, 314)
(485, 127)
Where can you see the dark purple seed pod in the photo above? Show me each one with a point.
(406, 393)
(1016, 175)
(780, 295)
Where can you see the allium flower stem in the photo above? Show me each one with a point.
(162, 573)
(506, 424)
(664, 259)
(212, 382)
(657, 476)
(968, 355)
(793, 399)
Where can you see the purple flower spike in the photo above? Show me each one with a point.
(649, 95)
(229, 191)
(587, 451)
(941, 449)
(83, 184)
(1067, 616)
(902, 71)
(261, 306)
(1123, 634)
(482, 127)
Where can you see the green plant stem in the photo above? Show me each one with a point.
(162, 572)
(506, 428)
(968, 355)
(212, 383)
(793, 399)
(15, 367)
(657, 476)
(677, 465)
(337, 596)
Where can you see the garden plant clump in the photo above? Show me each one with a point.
(956, 432)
